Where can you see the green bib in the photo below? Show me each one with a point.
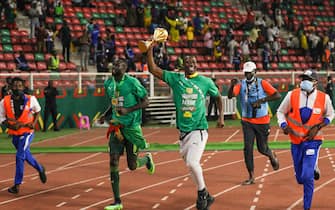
(189, 95)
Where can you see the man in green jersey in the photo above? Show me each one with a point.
(189, 95)
(128, 98)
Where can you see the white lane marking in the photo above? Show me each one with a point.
(101, 183)
(80, 160)
(252, 207)
(231, 136)
(33, 178)
(88, 190)
(255, 200)
(75, 197)
(156, 206)
(61, 204)
(173, 191)
(165, 198)
(180, 184)
(276, 135)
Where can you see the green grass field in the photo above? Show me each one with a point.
(6, 146)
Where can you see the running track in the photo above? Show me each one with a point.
(81, 180)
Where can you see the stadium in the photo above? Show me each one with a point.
(73, 43)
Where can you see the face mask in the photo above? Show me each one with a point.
(306, 85)
(18, 93)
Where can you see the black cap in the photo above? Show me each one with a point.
(309, 74)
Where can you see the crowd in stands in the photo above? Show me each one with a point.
(256, 36)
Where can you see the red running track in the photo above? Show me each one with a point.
(81, 181)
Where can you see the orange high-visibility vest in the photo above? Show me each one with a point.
(300, 130)
(25, 118)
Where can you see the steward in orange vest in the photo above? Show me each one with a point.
(19, 112)
(302, 114)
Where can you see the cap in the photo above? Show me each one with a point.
(310, 74)
(249, 66)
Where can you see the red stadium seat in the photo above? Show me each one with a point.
(41, 66)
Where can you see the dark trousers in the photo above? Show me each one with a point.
(261, 132)
(66, 51)
(47, 111)
(211, 105)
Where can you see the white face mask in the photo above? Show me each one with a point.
(306, 85)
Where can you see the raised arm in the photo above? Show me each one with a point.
(153, 68)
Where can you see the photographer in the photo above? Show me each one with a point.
(254, 94)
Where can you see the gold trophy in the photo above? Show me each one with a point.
(160, 35)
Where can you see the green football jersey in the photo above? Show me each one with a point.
(189, 96)
(126, 93)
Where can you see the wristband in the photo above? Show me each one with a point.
(283, 125)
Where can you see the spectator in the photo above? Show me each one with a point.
(147, 15)
(50, 93)
(231, 47)
(174, 28)
(84, 50)
(245, 47)
(212, 106)
(7, 88)
(189, 34)
(237, 58)
(49, 40)
(329, 89)
(40, 36)
(34, 19)
(197, 23)
(65, 37)
(266, 57)
(10, 16)
(53, 64)
(94, 43)
(208, 42)
(110, 47)
(90, 26)
(276, 49)
(59, 10)
(130, 56)
(21, 62)
(100, 51)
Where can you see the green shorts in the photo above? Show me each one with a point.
(133, 141)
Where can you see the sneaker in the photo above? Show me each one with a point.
(114, 206)
(204, 201)
(15, 189)
(274, 161)
(249, 181)
(150, 165)
(43, 176)
(317, 173)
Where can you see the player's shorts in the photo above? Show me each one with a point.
(133, 141)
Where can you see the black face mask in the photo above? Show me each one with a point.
(18, 93)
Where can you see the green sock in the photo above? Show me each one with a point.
(115, 177)
(142, 161)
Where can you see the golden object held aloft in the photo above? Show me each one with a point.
(160, 35)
